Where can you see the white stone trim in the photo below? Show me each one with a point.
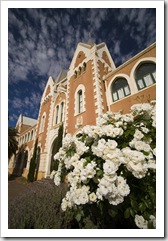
(100, 52)
(97, 86)
(59, 113)
(52, 135)
(42, 122)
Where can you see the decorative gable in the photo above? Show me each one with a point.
(47, 91)
(80, 57)
(105, 58)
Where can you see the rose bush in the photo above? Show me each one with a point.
(111, 169)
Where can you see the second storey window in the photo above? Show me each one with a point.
(84, 66)
(120, 89)
(57, 114)
(62, 111)
(42, 123)
(80, 101)
(145, 75)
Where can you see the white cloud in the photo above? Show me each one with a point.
(117, 50)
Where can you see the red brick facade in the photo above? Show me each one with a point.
(79, 98)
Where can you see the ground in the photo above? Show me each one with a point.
(16, 187)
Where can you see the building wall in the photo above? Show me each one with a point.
(127, 71)
(88, 115)
(95, 83)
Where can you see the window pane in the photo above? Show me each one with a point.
(57, 111)
(127, 90)
(80, 102)
(62, 108)
(115, 96)
(140, 84)
(148, 80)
(121, 93)
(154, 75)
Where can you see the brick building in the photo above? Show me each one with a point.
(91, 86)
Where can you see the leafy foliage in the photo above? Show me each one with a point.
(32, 167)
(12, 142)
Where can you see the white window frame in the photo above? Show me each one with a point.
(120, 93)
(57, 114)
(62, 104)
(76, 99)
(42, 123)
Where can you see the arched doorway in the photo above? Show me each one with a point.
(20, 161)
(57, 143)
(53, 163)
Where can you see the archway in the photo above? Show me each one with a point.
(53, 163)
(20, 162)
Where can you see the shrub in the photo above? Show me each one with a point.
(38, 207)
(111, 171)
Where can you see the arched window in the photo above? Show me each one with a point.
(42, 123)
(57, 114)
(84, 66)
(75, 74)
(145, 75)
(28, 136)
(62, 111)
(31, 135)
(80, 70)
(80, 101)
(120, 89)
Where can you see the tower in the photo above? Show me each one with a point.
(86, 97)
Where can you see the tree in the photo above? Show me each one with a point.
(33, 164)
(12, 142)
(57, 146)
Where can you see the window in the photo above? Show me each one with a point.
(84, 66)
(42, 123)
(80, 101)
(57, 114)
(80, 70)
(120, 89)
(31, 135)
(75, 74)
(145, 75)
(28, 137)
(62, 111)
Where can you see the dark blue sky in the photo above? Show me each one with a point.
(42, 41)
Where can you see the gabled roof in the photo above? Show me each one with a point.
(28, 121)
(61, 75)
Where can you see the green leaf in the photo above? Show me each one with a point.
(132, 212)
(134, 204)
(147, 204)
(99, 173)
(142, 207)
(127, 213)
(78, 217)
(146, 215)
(113, 213)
